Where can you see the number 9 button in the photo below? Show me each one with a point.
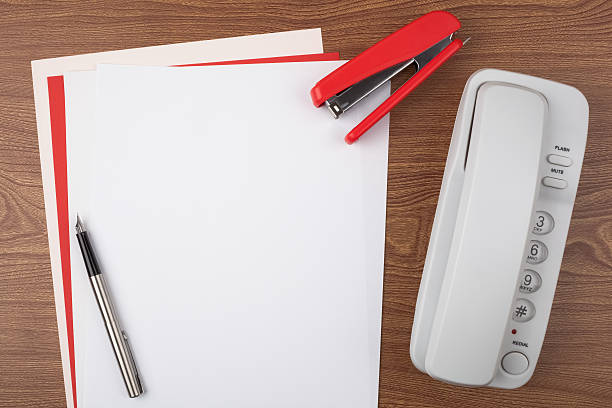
(530, 281)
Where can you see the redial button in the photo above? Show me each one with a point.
(515, 363)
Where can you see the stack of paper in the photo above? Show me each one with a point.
(241, 238)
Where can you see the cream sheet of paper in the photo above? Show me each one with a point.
(244, 282)
(255, 46)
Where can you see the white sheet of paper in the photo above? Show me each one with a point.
(80, 112)
(254, 46)
(235, 227)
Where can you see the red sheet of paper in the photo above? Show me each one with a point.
(57, 112)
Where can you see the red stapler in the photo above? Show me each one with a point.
(427, 43)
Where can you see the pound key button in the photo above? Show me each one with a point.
(523, 310)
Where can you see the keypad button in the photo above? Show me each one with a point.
(523, 310)
(559, 160)
(515, 363)
(543, 223)
(530, 281)
(536, 252)
(554, 182)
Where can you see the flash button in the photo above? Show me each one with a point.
(559, 160)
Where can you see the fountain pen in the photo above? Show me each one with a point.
(117, 336)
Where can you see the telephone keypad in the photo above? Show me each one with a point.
(537, 252)
(530, 281)
(523, 310)
(543, 223)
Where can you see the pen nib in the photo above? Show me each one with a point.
(79, 225)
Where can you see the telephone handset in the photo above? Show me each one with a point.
(500, 229)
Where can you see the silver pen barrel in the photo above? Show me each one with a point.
(117, 337)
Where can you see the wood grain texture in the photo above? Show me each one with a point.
(567, 41)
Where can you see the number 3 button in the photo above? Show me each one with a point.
(543, 223)
(537, 252)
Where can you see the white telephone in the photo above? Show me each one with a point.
(500, 229)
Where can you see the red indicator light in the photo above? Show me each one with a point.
(513, 331)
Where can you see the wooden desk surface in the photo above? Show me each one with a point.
(566, 41)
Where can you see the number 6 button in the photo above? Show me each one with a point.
(537, 252)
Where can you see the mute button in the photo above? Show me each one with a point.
(554, 182)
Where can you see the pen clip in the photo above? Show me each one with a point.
(132, 362)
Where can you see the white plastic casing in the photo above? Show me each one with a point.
(500, 229)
